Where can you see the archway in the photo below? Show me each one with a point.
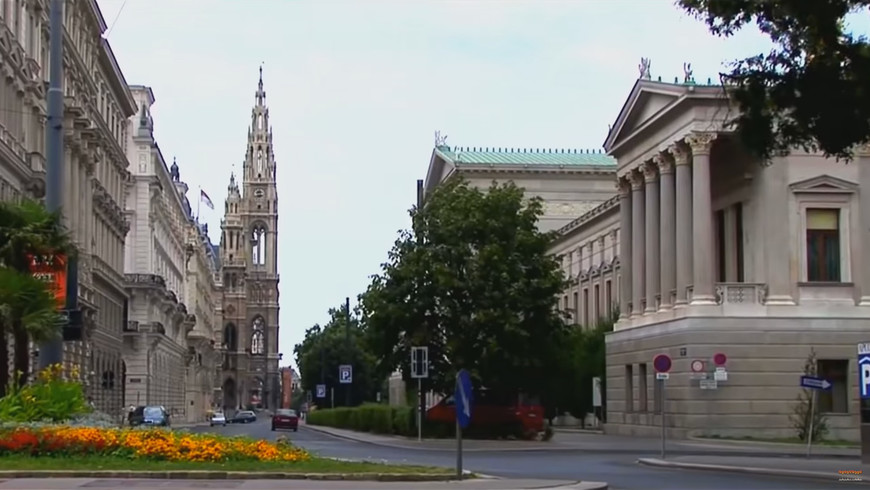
(229, 390)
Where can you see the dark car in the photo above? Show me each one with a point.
(244, 417)
(149, 415)
(285, 419)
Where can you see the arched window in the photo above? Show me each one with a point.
(260, 121)
(258, 339)
(258, 239)
(260, 164)
(231, 339)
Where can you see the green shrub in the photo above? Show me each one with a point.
(50, 398)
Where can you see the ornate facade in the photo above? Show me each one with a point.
(249, 272)
(97, 104)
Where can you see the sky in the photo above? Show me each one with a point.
(356, 89)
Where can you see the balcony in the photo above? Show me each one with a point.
(145, 281)
(740, 294)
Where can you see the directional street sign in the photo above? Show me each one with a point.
(345, 374)
(321, 391)
(813, 383)
(463, 397)
(864, 369)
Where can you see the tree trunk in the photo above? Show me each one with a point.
(4, 359)
(22, 352)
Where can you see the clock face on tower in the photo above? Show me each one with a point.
(258, 193)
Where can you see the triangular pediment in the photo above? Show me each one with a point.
(439, 168)
(824, 184)
(647, 101)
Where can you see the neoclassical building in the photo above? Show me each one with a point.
(249, 272)
(709, 251)
(158, 320)
(97, 105)
(202, 295)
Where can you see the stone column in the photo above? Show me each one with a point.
(683, 222)
(702, 220)
(625, 208)
(863, 263)
(650, 175)
(668, 251)
(637, 242)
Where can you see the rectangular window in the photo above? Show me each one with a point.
(657, 396)
(721, 250)
(597, 305)
(629, 388)
(608, 299)
(585, 307)
(823, 245)
(576, 312)
(738, 218)
(836, 400)
(642, 386)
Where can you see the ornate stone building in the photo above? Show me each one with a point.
(708, 251)
(158, 321)
(97, 104)
(202, 294)
(249, 272)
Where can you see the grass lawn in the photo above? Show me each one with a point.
(790, 440)
(110, 463)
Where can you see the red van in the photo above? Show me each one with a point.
(489, 408)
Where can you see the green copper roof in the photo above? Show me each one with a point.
(524, 156)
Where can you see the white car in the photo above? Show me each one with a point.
(218, 418)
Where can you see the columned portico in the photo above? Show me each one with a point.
(637, 243)
(651, 191)
(702, 220)
(668, 251)
(683, 225)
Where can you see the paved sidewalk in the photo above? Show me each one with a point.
(478, 484)
(581, 441)
(842, 470)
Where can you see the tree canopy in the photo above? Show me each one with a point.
(325, 348)
(473, 281)
(812, 90)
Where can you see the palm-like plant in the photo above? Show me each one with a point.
(26, 229)
(27, 305)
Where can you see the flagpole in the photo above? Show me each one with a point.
(198, 202)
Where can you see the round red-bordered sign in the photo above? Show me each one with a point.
(697, 366)
(720, 359)
(662, 363)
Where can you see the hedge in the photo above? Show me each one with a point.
(396, 420)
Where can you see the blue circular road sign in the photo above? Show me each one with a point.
(662, 363)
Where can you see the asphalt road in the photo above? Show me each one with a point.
(618, 469)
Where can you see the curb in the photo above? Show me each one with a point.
(413, 445)
(584, 485)
(738, 442)
(230, 475)
(809, 475)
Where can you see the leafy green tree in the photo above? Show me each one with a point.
(324, 349)
(473, 281)
(810, 90)
(27, 228)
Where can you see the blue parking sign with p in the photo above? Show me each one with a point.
(864, 370)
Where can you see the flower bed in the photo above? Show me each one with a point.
(146, 444)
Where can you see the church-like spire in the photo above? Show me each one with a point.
(259, 160)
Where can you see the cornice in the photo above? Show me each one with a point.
(533, 169)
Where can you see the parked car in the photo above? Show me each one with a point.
(244, 417)
(285, 418)
(149, 415)
(490, 408)
(218, 418)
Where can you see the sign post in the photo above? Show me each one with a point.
(864, 391)
(815, 384)
(463, 401)
(420, 370)
(662, 364)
